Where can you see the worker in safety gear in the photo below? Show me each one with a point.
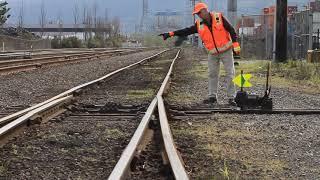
(220, 40)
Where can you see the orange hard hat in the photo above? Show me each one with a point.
(198, 7)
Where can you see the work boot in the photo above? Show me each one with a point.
(232, 102)
(210, 100)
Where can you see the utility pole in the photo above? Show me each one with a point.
(266, 23)
(310, 25)
(274, 33)
(193, 4)
(143, 22)
(242, 35)
(281, 28)
(232, 12)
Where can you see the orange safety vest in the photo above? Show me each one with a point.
(219, 39)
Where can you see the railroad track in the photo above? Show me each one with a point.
(29, 64)
(38, 54)
(205, 110)
(72, 107)
(73, 115)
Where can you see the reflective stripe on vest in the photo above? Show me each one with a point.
(219, 33)
(222, 49)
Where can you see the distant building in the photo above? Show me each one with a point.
(268, 15)
(246, 25)
(167, 20)
(315, 6)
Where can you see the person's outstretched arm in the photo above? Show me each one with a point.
(181, 32)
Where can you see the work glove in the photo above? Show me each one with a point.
(236, 48)
(165, 36)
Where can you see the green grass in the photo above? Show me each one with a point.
(224, 144)
(111, 134)
(199, 71)
(181, 97)
(140, 94)
(3, 169)
(225, 171)
(293, 74)
(252, 66)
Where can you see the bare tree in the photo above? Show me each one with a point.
(116, 26)
(21, 16)
(89, 22)
(94, 15)
(84, 21)
(60, 24)
(106, 24)
(76, 16)
(42, 18)
(84, 14)
(100, 29)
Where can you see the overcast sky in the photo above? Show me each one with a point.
(129, 11)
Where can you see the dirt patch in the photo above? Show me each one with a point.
(250, 146)
(72, 148)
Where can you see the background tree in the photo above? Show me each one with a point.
(60, 24)
(3, 12)
(42, 18)
(84, 21)
(21, 16)
(76, 17)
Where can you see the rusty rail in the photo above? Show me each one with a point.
(122, 168)
(5, 129)
(14, 65)
(69, 92)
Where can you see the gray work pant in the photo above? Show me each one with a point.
(214, 69)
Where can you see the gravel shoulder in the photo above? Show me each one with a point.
(30, 87)
(223, 146)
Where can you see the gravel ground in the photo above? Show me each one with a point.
(87, 147)
(191, 86)
(134, 87)
(75, 148)
(27, 88)
(252, 146)
(243, 146)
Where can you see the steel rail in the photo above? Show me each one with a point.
(249, 111)
(122, 167)
(176, 162)
(9, 65)
(72, 90)
(5, 129)
(52, 62)
(34, 54)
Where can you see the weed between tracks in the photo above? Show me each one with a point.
(140, 94)
(3, 169)
(199, 71)
(229, 153)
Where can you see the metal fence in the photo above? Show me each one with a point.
(8, 43)
(256, 36)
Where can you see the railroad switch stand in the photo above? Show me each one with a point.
(247, 101)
